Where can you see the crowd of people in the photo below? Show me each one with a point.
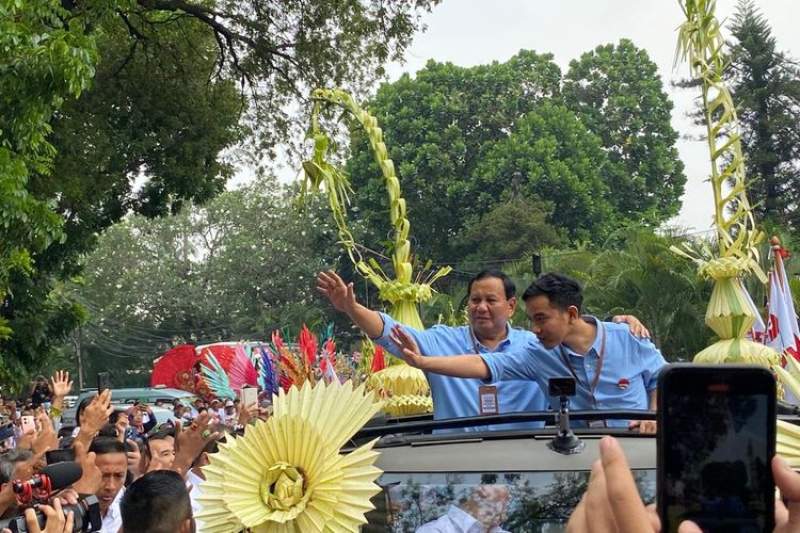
(146, 476)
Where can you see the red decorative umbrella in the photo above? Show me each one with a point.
(172, 368)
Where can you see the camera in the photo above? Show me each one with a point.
(561, 387)
(86, 516)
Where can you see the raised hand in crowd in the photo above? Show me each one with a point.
(248, 413)
(60, 386)
(46, 437)
(189, 443)
(122, 423)
(134, 456)
(95, 416)
(91, 479)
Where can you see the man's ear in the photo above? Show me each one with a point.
(187, 526)
(512, 304)
(573, 312)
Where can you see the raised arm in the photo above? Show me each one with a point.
(341, 296)
(460, 366)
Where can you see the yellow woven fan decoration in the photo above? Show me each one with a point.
(287, 474)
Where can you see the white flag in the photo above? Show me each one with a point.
(783, 333)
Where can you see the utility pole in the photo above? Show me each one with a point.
(77, 340)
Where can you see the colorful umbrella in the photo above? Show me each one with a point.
(174, 368)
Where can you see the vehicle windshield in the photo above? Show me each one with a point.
(498, 501)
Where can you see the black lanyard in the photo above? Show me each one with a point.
(600, 356)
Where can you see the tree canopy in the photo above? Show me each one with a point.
(179, 87)
(766, 86)
(618, 94)
(463, 138)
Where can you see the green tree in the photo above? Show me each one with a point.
(178, 85)
(156, 117)
(766, 87)
(637, 273)
(555, 158)
(279, 50)
(438, 127)
(618, 94)
(44, 59)
(511, 230)
(237, 267)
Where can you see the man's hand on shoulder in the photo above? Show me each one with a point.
(635, 325)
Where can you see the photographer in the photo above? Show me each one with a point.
(57, 521)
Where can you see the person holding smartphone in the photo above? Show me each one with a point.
(612, 368)
(139, 428)
(612, 501)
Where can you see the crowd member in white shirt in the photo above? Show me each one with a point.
(112, 461)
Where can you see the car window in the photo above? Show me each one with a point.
(511, 501)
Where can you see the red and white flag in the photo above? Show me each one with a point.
(783, 333)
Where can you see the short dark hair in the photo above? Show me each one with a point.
(108, 430)
(560, 290)
(105, 445)
(9, 460)
(508, 284)
(157, 502)
(82, 407)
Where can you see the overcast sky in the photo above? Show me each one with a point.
(472, 32)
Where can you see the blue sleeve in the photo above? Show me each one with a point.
(651, 360)
(505, 366)
(423, 340)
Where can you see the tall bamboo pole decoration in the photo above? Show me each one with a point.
(729, 314)
(407, 386)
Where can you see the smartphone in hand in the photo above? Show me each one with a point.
(60, 455)
(103, 381)
(248, 396)
(716, 440)
(27, 423)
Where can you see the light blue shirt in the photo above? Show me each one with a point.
(629, 372)
(458, 397)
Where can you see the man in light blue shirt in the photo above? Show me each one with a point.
(612, 369)
(491, 303)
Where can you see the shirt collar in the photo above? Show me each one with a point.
(597, 345)
(113, 509)
(478, 344)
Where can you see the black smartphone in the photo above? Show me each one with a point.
(716, 440)
(103, 381)
(60, 455)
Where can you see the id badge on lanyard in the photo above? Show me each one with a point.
(487, 394)
(487, 399)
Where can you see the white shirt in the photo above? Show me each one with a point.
(457, 521)
(193, 483)
(112, 521)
